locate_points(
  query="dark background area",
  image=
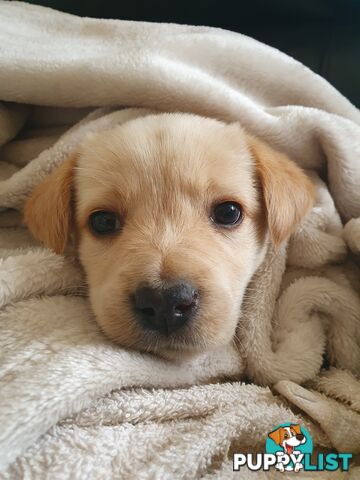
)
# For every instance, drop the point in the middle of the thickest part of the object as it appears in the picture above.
(322, 34)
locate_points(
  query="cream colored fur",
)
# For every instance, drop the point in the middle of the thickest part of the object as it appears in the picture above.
(73, 405)
(162, 176)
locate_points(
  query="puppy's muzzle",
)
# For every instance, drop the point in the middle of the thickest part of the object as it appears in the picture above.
(165, 309)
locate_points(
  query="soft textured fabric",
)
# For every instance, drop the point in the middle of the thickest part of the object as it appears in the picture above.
(74, 405)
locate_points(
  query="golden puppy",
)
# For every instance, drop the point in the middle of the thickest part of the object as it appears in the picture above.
(171, 213)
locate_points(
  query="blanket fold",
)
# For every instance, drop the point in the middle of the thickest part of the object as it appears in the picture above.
(74, 405)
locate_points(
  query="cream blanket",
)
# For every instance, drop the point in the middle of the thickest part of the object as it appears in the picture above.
(73, 405)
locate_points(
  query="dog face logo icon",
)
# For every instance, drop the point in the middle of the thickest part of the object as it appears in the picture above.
(288, 437)
(289, 442)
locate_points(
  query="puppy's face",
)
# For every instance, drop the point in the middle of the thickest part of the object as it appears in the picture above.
(171, 214)
(288, 437)
(171, 272)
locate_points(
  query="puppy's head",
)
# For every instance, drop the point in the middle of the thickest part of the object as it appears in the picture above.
(171, 214)
(288, 437)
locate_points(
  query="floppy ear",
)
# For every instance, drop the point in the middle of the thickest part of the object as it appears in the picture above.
(47, 212)
(296, 428)
(275, 436)
(288, 193)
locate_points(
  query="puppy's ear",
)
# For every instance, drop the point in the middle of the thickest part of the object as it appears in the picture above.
(47, 212)
(296, 427)
(288, 193)
(275, 436)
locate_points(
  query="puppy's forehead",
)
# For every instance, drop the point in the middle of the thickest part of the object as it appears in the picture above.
(177, 151)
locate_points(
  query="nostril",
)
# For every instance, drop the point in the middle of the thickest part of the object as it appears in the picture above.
(165, 309)
(180, 309)
(184, 308)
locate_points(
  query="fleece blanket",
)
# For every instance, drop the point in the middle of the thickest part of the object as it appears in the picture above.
(74, 405)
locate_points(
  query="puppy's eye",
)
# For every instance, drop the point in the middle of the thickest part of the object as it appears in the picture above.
(103, 222)
(227, 214)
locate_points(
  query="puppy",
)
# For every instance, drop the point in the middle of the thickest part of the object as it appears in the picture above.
(171, 214)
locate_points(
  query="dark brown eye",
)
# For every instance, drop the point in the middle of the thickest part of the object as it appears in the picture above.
(104, 223)
(227, 214)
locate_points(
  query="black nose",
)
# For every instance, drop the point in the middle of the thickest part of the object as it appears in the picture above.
(165, 309)
(300, 436)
